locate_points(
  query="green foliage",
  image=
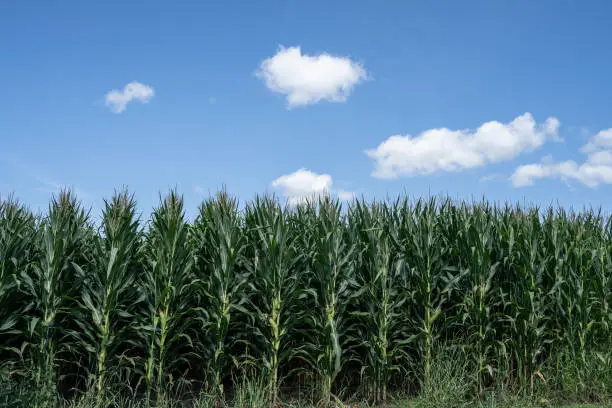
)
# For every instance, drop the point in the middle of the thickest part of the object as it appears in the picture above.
(65, 240)
(329, 281)
(110, 290)
(381, 319)
(220, 242)
(425, 247)
(168, 289)
(17, 252)
(273, 261)
(450, 302)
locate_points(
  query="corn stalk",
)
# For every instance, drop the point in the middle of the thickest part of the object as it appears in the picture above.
(273, 261)
(17, 252)
(479, 310)
(329, 282)
(64, 245)
(169, 292)
(219, 243)
(380, 324)
(110, 292)
(432, 281)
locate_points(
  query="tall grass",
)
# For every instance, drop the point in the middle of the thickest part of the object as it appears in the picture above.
(317, 299)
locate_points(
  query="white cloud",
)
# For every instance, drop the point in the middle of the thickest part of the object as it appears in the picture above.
(117, 100)
(346, 195)
(596, 169)
(308, 79)
(602, 140)
(304, 184)
(443, 149)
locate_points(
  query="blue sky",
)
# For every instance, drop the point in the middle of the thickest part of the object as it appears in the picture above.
(363, 97)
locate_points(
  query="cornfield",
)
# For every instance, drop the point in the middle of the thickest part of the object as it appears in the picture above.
(336, 301)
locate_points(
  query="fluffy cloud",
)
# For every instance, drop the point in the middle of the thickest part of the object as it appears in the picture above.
(305, 184)
(596, 169)
(117, 100)
(346, 195)
(602, 140)
(443, 149)
(308, 79)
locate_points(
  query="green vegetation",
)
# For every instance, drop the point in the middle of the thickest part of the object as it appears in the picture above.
(442, 303)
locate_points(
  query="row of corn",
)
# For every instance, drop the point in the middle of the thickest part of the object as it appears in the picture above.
(361, 297)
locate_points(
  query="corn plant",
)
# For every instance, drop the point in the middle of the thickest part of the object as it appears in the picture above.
(65, 239)
(432, 280)
(17, 252)
(273, 263)
(169, 293)
(481, 302)
(581, 303)
(557, 239)
(219, 242)
(526, 261)
(603, 284)
(110, 288)
(380, 322)
(330, 281)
